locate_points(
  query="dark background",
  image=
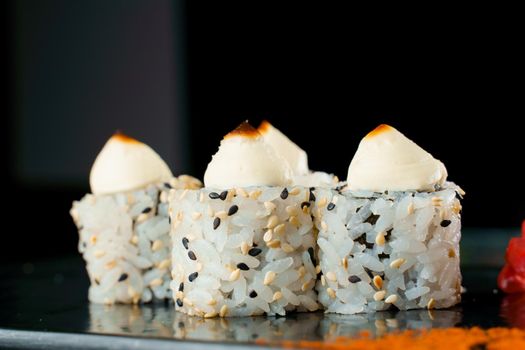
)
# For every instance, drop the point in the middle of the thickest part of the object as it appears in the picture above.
(180, 75)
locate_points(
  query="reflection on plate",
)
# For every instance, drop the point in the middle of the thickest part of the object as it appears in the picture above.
(163, 321)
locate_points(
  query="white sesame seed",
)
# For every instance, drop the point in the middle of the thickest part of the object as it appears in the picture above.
(210, 314)
(301, 271)
(269, 206)
(380, 238)
(379, 295)
(294, 191)
(268, 235)
(183, 194)
(294, 221)
(410, 208)
(201, 197)
(212, 302)
(274, 244)
(317, 269)
(244, 248)
(241, 191)
(255, 194)
(221, 214)
(378, 282)
(164, 264)
(292, 210)
(99, 253)
(324, 226)
(330, 292)
(157, 244)
(93, 239)
(323, 280)
(287, 248)
(431, 304)
(306, 286)
(163, 197)
(396, 264)
(279, 229)
(269, 277)
(230, 195)
(391, 299)
(234, 276)
(179, 295)
(210, 211)
(331, 276)
(134, 239)
(277, 295)
(335, 199)
(110, 264)
(223, 311)
(322, 202)
(196, 215)
(156, 282)
(272, 221)
(142, 217)
(344, 263)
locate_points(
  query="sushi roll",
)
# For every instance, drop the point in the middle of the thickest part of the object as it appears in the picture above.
(123, 224)
(244, 244)
(390, 238)
(296, 158)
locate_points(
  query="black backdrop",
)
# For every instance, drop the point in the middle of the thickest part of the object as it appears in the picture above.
(325, 76)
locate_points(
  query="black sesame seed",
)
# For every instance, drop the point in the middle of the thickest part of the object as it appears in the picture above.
(445, 223)
(167, 185)
(312, 195)
(97, 281)
(223, 195)
(216, 223)
(354, 279)
(233, 209)
(383, 256)
(330, 206)
(123, 277)
(181, 287)
(243, 266)
(192, 255)
(253, 294)
(254, 251)
(193, 276)
(284, 193)
(185, 242)
(305, 204)
(146, 210)
(179, 302)
(169, 220)
(213, 195)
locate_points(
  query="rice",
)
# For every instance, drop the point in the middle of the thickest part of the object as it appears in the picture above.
(379, 250)
(124, 239)
(246, 251)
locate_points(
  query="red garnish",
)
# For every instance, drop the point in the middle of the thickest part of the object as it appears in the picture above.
(511, 279)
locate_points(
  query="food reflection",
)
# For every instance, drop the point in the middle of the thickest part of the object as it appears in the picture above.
(379, 323)
(248, 329)
(513, 310)
(163, 321)
(143, 320)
